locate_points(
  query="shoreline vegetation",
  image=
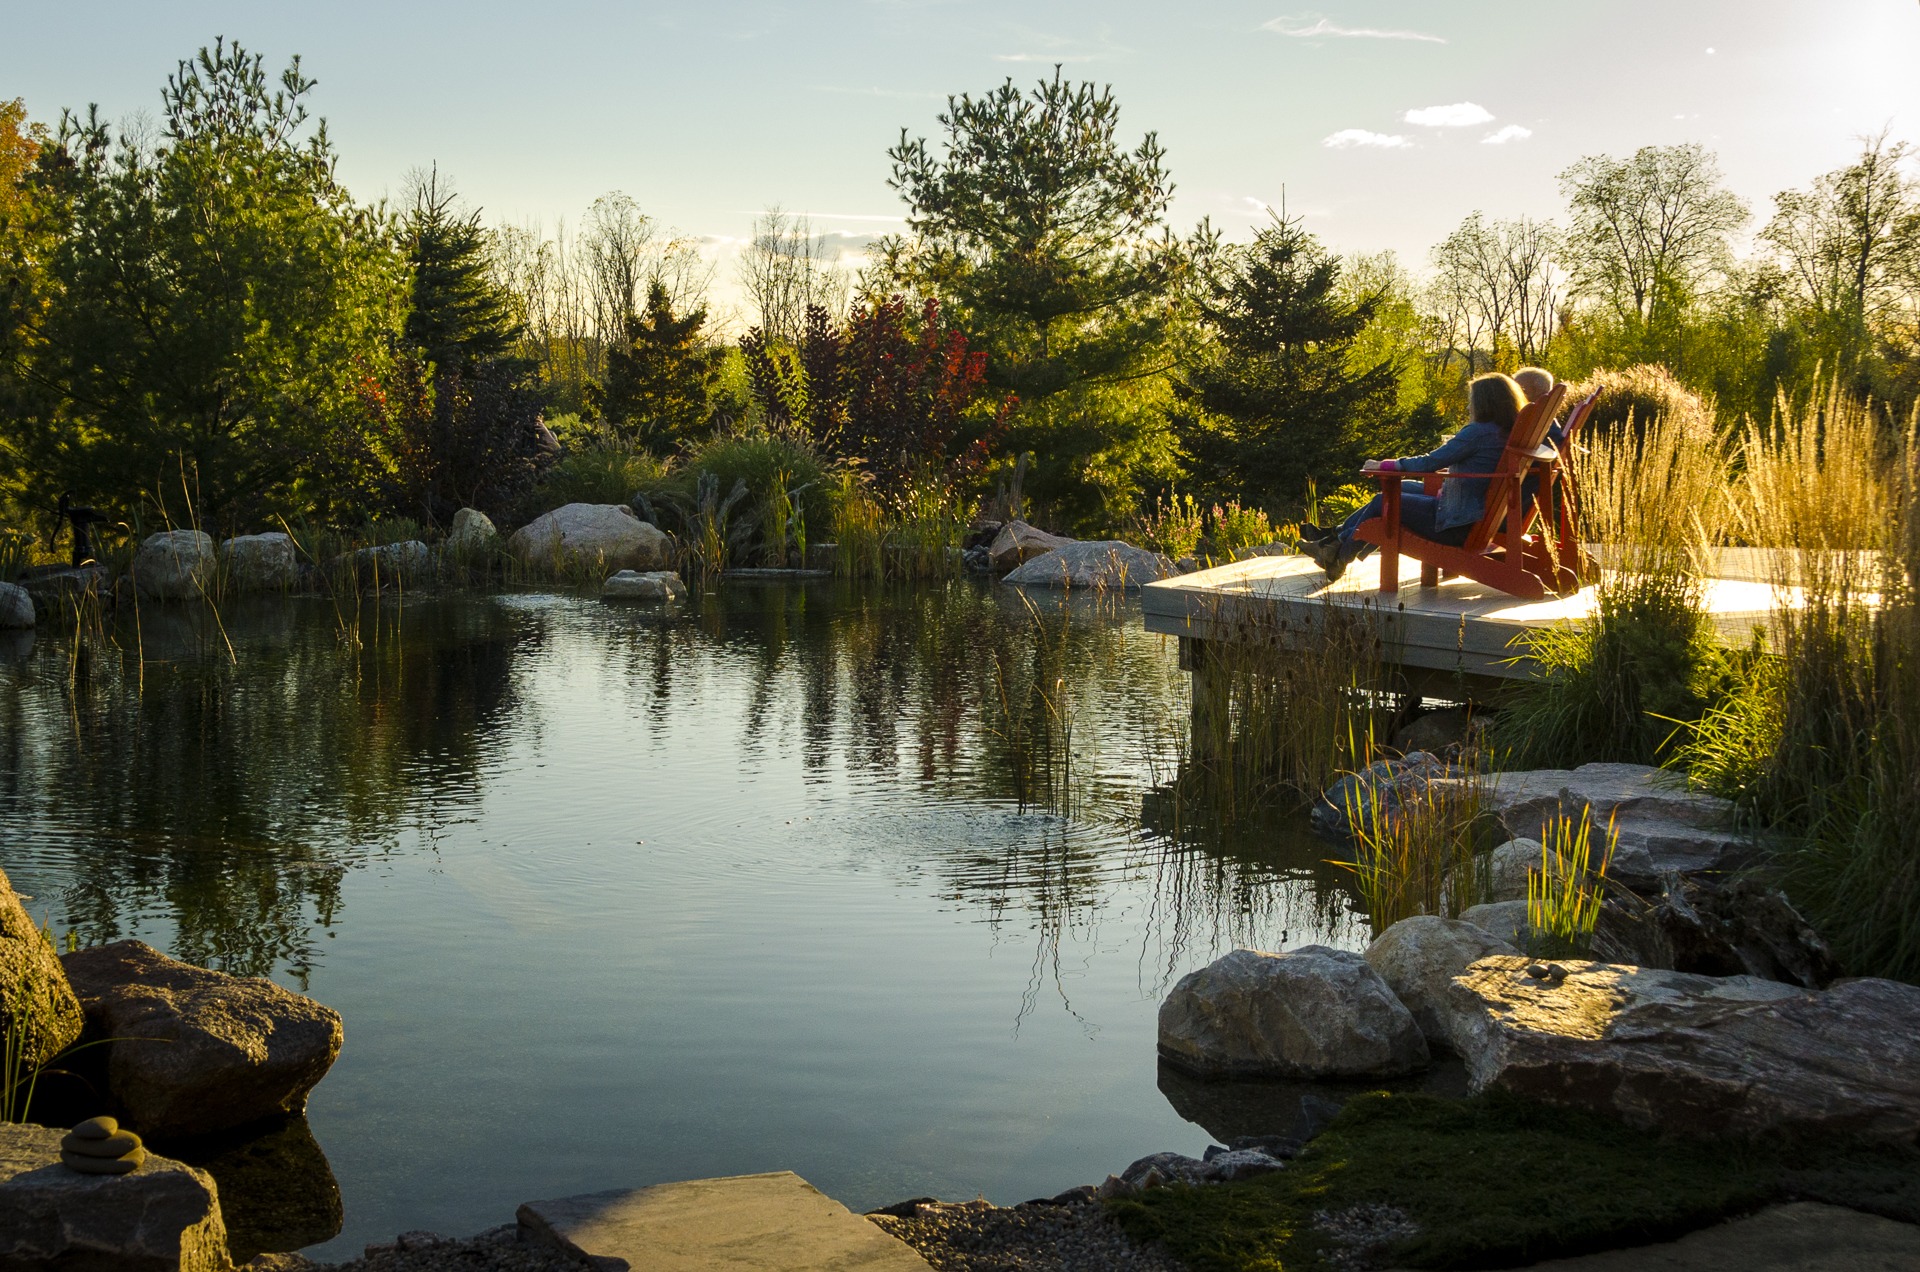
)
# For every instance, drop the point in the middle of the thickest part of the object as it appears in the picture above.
(206, 339)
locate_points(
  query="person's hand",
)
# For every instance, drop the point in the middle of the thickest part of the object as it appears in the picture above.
(1371, 466)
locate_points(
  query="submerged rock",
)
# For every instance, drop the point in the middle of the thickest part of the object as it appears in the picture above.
(1313, 1012)
(605, 535)
(1103, 563)
(196, 1051)
(33, 986)
(1016, 543)
(1419, 957)
(655, 585)
(174, 565)
(162, 1216)
(1678, 1052)
(260, 562)
(16, 607)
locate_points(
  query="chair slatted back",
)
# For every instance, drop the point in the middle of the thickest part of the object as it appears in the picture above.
(1523, 440)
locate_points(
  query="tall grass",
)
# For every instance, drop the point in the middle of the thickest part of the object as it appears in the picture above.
(1564, 894)
(1173, 526)
(1824, 747)
(26, 1044)
(913, 533)
(1655, 500)
(1417, 853)
(1281, 707)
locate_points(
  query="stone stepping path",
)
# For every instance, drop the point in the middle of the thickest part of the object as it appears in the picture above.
(776, 1222)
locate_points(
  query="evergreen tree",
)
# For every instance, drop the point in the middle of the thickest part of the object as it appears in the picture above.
(1279, 399)
(660, 381)
(460, 317)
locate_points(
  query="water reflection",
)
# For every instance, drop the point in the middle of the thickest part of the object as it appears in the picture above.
(277, 1191)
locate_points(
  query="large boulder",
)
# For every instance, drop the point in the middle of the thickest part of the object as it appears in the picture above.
(194, 1051)
(260, 562)
(1313, 1012)
(1504, 874)
(1662, 828)
(473, 534)
(1506, 920)
(606, 535)
(1106, 564)
(16, 607)
(1017, 543)
(1418, 958)
(655, 585)
(174, 565)
(1712, 1055)
(33, 987)
(163, 1216)
(1717, 926)
(393, 562)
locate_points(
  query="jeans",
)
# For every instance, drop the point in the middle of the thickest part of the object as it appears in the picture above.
(1417, 513)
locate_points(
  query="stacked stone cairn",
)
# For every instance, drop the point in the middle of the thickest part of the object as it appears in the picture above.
(98, 1146)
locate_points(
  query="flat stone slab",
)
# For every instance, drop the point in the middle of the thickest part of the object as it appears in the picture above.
(776, 1222)
(1802, 1237)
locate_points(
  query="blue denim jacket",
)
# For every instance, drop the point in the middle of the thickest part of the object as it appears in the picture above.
(1474, 449)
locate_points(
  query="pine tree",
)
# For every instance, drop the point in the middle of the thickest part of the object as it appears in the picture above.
(660, 382)
(460, 317)
(1279, 401)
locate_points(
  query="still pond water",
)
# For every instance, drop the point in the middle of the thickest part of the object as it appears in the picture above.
(873, 885)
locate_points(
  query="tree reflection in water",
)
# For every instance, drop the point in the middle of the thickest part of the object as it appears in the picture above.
(227, 796)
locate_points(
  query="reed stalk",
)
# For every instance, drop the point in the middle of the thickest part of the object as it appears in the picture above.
(1564, 895)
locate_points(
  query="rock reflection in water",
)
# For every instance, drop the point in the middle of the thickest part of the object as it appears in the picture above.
(1253, 1108)
(277, 1191)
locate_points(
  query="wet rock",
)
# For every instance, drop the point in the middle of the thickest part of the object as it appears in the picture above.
(163, 1216)
(174, 565)
(1105, 564)
(196, 1051)
(473, 535)
(609, 536)
(1157, 1170)
(51, 590)
(16, 607)
(654, 585)
(1313, 1012)
(1243, 1163)
(1419, 957)
(1017, 543)
(260, 562)
(1505, 920)
(33, 985)
(1388, 780)
(1678, 1052)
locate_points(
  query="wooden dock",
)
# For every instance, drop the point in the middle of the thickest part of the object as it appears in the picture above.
(1459, 630)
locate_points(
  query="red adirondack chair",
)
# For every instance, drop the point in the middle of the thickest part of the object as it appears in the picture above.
(1501, 550)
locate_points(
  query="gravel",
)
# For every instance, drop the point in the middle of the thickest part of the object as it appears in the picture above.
(496, 1250)
(1035, 1237)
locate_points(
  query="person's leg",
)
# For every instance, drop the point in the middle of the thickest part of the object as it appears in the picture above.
(1411, 492)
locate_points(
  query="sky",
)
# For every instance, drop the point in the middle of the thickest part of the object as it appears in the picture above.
(1382, 123)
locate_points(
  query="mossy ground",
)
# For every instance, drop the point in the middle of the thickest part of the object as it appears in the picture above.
(1493, 1181)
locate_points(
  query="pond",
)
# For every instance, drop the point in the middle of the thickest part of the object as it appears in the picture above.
(877, 885)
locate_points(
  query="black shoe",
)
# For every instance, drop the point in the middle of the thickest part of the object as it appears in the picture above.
(1310, 533)
(1327, 555)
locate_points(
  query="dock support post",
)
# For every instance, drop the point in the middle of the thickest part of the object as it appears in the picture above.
(1209, 717)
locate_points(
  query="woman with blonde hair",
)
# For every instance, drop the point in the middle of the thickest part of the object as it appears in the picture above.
(1494, 402)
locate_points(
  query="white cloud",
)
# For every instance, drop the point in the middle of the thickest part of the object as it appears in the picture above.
(1500, 137)
(1302, 29)
(1350, 137)
(1458, 115)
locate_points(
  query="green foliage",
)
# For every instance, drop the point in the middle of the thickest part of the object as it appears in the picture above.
(660, 382)
(1231, 528)
(600, 475)
(459, 318)
(1495, 1181)
(1045, 237)
(1278, 402)
(1173, 526)
(218, 303)
(762, 461)
(1417, 853)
